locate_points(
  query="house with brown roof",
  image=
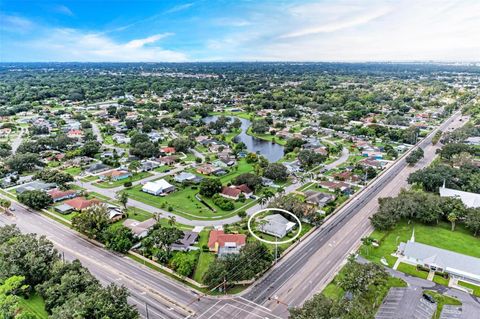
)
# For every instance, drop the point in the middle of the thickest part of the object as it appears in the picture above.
(80, 203)
(346, 176)
(334, 186)
(168, 150)
(207, 169)
(167, 160)
(234, 192)
(223, 244)
(59, 195)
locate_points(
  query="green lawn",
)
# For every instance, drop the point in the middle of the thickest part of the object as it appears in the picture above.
(89, 178)
(139, 214)
(475, 288)
(442, 300)
(267, 137)
(182, 202)
(113, 184)
(412, 270)
(34, 305)
(460, 241)
(74, 171)
(440, 280)
(204, 261)
(163, 168)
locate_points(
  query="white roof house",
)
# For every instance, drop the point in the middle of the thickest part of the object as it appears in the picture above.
(158, 187)
(453, 263)
(470, 200)
(276, 225)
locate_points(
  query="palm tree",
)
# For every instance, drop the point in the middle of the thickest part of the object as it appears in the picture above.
(123, 199)
(172, 220)
(452, 218)
(262, 200)
(134, 166)
(281, 190)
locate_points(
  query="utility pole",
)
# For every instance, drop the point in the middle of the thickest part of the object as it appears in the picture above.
(276, 250)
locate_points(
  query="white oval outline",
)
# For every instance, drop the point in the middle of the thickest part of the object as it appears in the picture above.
(275, 242)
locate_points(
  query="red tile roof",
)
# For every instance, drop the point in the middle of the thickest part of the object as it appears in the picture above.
(218, 236)
(79, 203)
(230, 191)
(244, 188)
(168, 149)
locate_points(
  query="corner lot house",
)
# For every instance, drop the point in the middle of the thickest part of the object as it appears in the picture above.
(80, 203)
(276, 225)
(455, 264)
(160, 187)
(223, 244)
(59, 195)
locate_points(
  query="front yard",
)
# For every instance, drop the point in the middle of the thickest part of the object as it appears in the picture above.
(113, 184)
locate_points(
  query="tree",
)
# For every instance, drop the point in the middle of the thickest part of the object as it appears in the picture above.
(9, 300)
(259, 126)
(319, 307)
(54, 176)
(25, 255)
(276, 172)
(90, 148)
(359, 277)
(5, 204)
(183, 263)
(449, 150)
(472, 220)
(92, 221)
(145, 150)
(293, 143)
(23, 162)
(134, 166)
(172, 220)
(210, 186)
(414, 156)
(310, 158)
(35, 199)
(181, 144)
(251, 180)
(159, 240)
(122, 197)
(452, 218)
(118, 238)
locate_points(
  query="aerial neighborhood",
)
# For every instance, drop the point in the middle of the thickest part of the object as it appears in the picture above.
(168, 168)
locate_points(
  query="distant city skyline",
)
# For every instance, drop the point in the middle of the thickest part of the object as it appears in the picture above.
(264, 30)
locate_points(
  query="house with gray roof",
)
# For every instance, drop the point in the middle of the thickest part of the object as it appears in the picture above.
(186, 242)
(276, 225)
(35, 186)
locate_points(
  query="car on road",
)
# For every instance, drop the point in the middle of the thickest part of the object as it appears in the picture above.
(12, 209)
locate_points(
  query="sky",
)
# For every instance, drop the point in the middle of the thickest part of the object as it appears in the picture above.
(240, 30)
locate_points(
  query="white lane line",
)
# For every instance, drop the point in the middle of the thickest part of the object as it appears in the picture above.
(208, 310)
(219, 309)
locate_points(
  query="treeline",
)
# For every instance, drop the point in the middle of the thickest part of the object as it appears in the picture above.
(367, 284)
(427, 208)
(68, 288)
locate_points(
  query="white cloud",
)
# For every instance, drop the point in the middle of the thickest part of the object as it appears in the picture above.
(179, 7)
(15, 23)
(73, 45)
(64, 10)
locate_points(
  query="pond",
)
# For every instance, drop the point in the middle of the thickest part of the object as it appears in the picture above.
(271, 151)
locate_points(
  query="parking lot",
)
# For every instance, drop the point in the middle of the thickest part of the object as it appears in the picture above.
(402, 303)
(451, 312)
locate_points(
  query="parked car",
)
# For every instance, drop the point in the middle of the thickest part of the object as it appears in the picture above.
(429, 298)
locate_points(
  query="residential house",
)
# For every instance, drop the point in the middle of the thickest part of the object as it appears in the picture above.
(207, 169)
(186, 242)
(115, 175)
(334, 186)
(185, 177)
(167, 150)
(473, 140)
(81, 203)
(97, 168)
(160, 187)
(346, 176)
(223, 244)
(59, 195)
(318, 198)
(120, 138)
(234, 192)
(77, 134)
(276, 225)
(139, 229)
(167, 160)
(35, 186)
(146, 165)
(369, 162)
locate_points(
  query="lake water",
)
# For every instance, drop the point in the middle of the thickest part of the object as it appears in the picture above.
(271, 151)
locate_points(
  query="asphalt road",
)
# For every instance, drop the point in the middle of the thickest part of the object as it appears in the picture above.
(311, 266)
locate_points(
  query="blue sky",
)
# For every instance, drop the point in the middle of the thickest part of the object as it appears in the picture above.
(248, 30)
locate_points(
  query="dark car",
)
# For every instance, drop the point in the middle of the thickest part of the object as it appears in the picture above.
(429, 298)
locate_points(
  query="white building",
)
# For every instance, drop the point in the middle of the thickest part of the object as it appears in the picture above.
(276, 225)
(159, 187)
(470, 200)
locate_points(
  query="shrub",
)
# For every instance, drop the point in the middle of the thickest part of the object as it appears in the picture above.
(242, 214)
(222, 202)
